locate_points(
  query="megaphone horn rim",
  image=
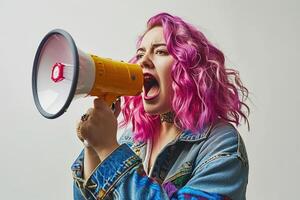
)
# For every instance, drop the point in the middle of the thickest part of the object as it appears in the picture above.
(74, 52)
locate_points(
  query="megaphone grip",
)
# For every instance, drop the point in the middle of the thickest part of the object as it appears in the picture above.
(110, 98)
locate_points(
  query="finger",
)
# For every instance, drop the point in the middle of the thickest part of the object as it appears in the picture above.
(99, 103)
(90, 112)
(84, 130)
(86, 116)
(78, 131)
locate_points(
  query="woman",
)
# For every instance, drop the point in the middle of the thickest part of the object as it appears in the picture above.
(181, 144)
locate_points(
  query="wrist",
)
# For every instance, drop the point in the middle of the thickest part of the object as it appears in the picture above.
(90, 151)
(105, 152)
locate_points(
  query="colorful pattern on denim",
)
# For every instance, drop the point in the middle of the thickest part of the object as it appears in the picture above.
(206, 167)
(188, 193)
(170, 188)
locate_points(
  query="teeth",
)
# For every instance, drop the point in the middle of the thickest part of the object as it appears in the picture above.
(148, 76)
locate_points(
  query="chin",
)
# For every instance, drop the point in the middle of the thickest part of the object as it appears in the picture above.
(150, 109)
(155, 109)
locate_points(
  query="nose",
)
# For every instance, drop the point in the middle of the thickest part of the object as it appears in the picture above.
(146, 62)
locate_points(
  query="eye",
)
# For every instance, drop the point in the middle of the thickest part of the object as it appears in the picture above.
(139, 56)
(162, 52)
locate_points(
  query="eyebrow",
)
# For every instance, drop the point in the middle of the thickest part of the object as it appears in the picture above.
(153, 46)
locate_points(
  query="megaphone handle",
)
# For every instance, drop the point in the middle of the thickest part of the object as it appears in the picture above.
(110, 98)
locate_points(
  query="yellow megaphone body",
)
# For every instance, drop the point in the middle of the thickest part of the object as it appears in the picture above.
(61, 73)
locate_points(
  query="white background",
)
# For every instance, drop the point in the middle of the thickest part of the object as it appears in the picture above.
(260, 38)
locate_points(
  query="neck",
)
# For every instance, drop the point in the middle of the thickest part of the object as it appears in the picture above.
(167, 131)
(167, 127)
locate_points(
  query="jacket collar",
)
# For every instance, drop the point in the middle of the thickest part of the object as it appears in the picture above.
(189, 136)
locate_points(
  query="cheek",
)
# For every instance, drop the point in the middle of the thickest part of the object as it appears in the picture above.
(166, 83)
(165, 75)
(166, 95)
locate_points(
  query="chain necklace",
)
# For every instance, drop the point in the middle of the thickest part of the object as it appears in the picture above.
(167, 117)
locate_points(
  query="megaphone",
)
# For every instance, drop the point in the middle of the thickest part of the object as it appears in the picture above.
(61, 73)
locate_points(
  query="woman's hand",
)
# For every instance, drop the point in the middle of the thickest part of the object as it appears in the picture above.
(99, 128)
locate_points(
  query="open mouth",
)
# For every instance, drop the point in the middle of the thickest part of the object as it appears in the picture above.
(151, 87)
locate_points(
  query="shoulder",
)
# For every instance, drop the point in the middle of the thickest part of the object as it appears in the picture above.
(222, 164)
(223, 140)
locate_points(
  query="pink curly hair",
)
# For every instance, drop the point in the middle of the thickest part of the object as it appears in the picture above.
(204, 90)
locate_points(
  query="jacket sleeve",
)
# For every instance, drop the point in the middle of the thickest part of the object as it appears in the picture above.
(121, 176)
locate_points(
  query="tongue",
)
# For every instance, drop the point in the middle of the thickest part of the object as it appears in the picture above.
(153, 91)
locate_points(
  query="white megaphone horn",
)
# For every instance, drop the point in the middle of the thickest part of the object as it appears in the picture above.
(61, 73)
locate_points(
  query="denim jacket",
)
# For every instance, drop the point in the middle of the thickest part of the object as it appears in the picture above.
(209, 164)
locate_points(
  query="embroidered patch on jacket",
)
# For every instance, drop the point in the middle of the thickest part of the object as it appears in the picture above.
(178, 180)
(172, 186)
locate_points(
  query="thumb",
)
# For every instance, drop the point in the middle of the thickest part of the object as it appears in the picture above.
(99, 103)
